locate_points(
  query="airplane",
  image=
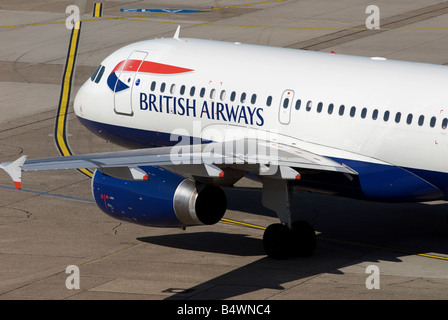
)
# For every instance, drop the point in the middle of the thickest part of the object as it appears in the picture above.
(196, 116)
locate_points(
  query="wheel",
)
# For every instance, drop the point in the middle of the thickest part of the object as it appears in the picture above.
(304, 239)
(277, 241)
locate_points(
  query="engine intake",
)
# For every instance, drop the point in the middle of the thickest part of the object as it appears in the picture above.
(164, 200)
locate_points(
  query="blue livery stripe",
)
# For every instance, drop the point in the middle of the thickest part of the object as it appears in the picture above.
(392, 183)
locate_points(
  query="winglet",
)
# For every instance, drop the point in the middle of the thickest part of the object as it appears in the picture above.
(176, 35)
(14, 169)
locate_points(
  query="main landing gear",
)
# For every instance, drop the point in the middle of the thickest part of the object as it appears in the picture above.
(285, 239)
(280, 242)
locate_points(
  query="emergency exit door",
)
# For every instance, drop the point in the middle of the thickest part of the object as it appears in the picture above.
(284, 114)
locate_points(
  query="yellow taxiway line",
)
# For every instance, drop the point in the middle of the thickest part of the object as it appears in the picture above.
(61, 117)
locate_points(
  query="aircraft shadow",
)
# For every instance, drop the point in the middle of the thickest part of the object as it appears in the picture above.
(348, 231)
(217, 242)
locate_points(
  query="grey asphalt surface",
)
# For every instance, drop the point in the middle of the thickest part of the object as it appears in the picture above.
(53, 223)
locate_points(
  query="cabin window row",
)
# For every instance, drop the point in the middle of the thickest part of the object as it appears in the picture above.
(385, 116)
(212, 94)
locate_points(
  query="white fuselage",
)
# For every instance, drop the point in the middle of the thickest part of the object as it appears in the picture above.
(393, 112)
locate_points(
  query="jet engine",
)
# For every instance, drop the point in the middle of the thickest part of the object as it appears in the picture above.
(163, 199)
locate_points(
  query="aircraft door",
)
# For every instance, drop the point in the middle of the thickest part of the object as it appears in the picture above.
(284, 112)
(126, 79)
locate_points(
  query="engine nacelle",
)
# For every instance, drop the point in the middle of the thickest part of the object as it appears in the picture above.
(164, 200)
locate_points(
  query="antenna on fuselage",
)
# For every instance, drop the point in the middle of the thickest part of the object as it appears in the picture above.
(176, 35)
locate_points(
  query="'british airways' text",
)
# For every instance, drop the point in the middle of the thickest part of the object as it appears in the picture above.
(202, 109)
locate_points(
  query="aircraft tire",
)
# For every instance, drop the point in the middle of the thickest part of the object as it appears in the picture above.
(277, 241)
(304, 239)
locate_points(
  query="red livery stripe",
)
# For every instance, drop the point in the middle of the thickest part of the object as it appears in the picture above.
(149, 67)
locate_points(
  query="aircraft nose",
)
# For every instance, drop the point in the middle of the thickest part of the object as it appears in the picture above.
(80, 100)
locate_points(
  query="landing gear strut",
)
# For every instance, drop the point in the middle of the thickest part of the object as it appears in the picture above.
(285, 239)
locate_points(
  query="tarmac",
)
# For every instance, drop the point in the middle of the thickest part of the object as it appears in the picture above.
(52, 223)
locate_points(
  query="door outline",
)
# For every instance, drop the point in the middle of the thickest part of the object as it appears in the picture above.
(123, 99)
(284, 112)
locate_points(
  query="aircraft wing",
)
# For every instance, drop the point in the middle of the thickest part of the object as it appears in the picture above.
(260, 157)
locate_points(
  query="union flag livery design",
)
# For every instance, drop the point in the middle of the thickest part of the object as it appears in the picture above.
(116, 85)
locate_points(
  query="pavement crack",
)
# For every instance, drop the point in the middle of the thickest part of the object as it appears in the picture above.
(22, 219)
(114, 229)
(28, 214)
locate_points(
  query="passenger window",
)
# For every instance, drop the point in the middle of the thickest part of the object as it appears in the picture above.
(202, 93)
(182, 90)
(319, 107)
(352, 111)
(444, 123)
(386, 116)
(162, 87)
(375, 114)
(285, 103)
(398, 117)
(192, 90)
(409, 118)
(173, 88)
(330, 108)
(364, 113)
(212, 94)
(433, 121)
(341, 110)
(421, 120)
(153, 86)
(222, 96)
(298, 103)
(232, 96)
(309, 105)
(268, 101)
(253, 99)
(243, 97)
